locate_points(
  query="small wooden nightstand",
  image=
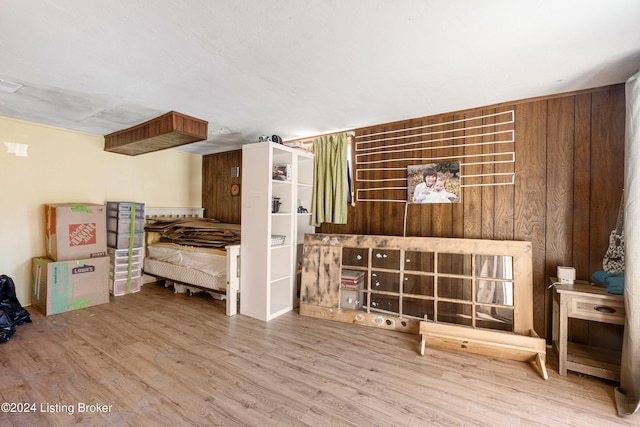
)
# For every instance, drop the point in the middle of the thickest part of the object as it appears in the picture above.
(587, 302)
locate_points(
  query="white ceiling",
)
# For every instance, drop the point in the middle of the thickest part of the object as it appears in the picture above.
(300, 68)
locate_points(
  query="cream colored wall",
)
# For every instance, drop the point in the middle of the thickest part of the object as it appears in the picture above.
(68, 166)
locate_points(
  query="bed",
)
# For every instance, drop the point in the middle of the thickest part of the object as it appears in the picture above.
(204, 258)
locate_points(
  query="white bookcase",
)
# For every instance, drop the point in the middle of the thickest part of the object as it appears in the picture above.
(271, 247)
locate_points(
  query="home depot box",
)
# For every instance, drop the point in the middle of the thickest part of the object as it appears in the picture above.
(69, 285)
(75, 231)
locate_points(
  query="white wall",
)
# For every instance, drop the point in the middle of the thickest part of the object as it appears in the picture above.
(69, 166)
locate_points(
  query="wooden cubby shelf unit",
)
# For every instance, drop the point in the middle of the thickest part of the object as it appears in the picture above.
(473, 295)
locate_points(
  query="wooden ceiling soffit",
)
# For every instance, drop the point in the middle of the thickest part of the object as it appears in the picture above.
(167, 131)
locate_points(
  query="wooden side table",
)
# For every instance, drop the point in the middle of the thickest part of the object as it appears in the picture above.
(587, 302)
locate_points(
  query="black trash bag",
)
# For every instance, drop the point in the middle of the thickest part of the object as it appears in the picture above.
(7, 328)
(9, 302)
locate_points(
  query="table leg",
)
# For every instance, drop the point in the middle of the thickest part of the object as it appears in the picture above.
(563, 326)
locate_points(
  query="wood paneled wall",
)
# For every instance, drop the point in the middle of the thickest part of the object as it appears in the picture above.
(569, 152)
(217, 200)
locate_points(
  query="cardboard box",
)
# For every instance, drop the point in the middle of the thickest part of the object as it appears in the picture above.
(75, 231)
(69, 285)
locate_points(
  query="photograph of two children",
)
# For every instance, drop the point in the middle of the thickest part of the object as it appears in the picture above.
(434, 183)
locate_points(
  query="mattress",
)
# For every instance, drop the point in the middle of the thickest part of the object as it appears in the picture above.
(203, 267)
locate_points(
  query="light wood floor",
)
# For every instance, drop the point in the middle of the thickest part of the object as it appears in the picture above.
(156, 358)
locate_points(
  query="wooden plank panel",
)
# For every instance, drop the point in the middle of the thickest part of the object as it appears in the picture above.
(425, 211)
(328, 275)
(369, 210)
(504, 194)
(217, 200)
(607, 181)
(582, 186)
(607, 169)
(309, 289)
(530, 195)
(471, 195)
(458, 208)
(441, 212)
(488, 191)
(560, 155)
(560, 183)
(391, 219)
(413, 216)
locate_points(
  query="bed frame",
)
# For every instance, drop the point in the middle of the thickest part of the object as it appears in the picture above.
(233, 260)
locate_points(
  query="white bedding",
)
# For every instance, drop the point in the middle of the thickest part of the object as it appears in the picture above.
(204, 267)
(208, 260)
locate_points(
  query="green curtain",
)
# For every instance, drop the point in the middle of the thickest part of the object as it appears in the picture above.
(330, 180)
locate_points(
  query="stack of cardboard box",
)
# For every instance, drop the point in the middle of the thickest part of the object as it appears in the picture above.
(75, 272)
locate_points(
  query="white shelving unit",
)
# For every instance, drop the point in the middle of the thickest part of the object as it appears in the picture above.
(270, 272)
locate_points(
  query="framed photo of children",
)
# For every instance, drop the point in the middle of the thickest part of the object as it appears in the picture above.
(434, 183)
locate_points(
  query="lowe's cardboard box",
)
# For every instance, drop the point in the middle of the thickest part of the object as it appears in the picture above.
(69, 285)
(75, 230)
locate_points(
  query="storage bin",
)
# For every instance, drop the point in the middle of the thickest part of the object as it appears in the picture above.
(122, 255)
(277, 240)
(121, 240)
(123, 225)
(124, 274)
(124, 268)
(118, 261)
(124, 286)
(125, 209)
